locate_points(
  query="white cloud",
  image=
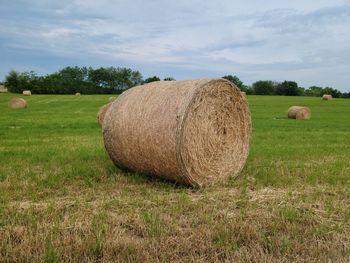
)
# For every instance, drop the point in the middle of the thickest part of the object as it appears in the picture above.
(297, 40)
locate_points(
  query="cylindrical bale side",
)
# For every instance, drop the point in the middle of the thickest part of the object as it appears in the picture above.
(17, 103)
(194, 131)
(327, 97)
(299, 113)
(102, 113)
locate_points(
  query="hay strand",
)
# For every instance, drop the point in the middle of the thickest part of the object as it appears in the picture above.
(299, 113)
(17, 103)
(195, 132)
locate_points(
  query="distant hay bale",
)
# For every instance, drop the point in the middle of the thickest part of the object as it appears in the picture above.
(17, 103)
(327, 97)
(3, 89)
(244, 93)
(77, 94)
(102, 113)
(299, 113)
(27, 93)
(194, 131)
(110, 99)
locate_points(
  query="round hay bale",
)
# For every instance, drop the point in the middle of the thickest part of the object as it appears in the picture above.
(327, 97)
(193, 131)
(299, 113)
(27, 93)
(3, 89)
(77, 94)
(110, 99)
(102, 113)
(244, 93)
(17, 103)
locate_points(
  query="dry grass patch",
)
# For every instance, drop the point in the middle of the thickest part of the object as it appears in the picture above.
(218, 224)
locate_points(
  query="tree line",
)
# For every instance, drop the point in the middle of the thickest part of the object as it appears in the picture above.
(112, 80)
(285, 88)
(70, 80)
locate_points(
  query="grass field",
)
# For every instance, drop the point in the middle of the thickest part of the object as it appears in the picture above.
(62, 199)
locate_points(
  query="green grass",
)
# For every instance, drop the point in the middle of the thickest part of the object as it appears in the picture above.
(62, 199)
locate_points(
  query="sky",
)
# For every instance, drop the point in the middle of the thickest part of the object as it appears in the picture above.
(304, 41)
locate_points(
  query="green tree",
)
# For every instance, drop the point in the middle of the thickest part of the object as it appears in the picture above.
(345, 95)
(75, 79)
(264, 87)
(235, 80)
(12, 81)
(314, 91)
(17, 82)
(151, 79)
(288, 88)
(334, 92)
(114, 80)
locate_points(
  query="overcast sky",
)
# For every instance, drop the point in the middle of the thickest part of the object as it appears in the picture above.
(304, 41)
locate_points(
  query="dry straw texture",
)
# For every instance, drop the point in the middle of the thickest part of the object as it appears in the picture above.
(299, 113)
(27, 93)
(327, 97)
(195, 131)
(102, 113)
(17, 103)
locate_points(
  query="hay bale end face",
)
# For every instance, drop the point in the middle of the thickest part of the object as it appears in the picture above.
(17, 103)
(195, 131)
(102, 113)
(299, 113)
(77, 94)
(27, 93)
(327, 97)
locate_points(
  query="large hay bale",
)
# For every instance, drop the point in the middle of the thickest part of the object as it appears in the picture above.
(102, 113)
(299, 113)
(17, 103)
(327, 97)
(27, 93)
(193, 131)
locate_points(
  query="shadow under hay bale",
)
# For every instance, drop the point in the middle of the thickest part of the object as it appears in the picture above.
(299, 113)
(17, 103)
(195, 132)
